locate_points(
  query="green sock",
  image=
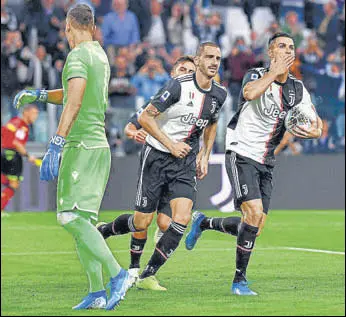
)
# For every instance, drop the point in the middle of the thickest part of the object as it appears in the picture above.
(93, 269)
(92, 242)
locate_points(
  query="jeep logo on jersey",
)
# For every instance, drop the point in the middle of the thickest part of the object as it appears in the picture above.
(274, 112)
(190, 119)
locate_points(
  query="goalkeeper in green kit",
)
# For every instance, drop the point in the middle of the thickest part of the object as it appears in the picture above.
(85, 155)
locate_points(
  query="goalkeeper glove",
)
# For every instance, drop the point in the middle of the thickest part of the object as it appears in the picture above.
(25, 97)
(50, 163)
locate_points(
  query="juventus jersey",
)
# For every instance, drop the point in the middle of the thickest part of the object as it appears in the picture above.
(186, 109)
(259, 125)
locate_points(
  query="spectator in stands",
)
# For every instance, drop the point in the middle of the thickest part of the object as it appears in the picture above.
(260, 41)
(240, 60)
(11, 58)
(328, 30)
(120, 79)
(311, 56)
(296, 6)
(130, 54)
(178, 23)
(157, 33)
(150, 78)
(209, 27)
(8, 19)
(142, 9)
(51, 21)
(293, 27)
(340, 128)
(41, 72)
(120, 28)
(102, 7)
(338, 56)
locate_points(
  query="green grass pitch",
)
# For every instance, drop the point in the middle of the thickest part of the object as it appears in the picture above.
(41, 274)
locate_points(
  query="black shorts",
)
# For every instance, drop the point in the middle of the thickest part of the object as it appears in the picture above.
(11, 163)
(249, 179)
(163, 175)
(164, 206)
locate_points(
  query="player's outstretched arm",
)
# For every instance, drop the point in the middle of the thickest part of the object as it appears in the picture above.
(28, 96)
(208, 139)
(50, 164)
(147, 121)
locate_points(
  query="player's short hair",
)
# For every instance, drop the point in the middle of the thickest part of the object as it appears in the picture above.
(201, 47)
(81, 16)
(183, 59)
(277, 35)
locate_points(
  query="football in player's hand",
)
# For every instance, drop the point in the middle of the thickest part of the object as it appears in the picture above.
(301, 115)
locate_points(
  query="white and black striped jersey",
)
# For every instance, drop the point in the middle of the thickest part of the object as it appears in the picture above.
(259, 125)
(186, 109)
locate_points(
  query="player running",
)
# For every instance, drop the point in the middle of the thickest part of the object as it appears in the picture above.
(82, 144)
(14, 136)
(175, 119)
(133, 130)
(252, 135)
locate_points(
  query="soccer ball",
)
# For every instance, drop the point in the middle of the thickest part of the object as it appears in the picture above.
(301, 115)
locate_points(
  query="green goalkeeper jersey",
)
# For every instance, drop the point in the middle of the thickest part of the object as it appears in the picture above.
(88, 60)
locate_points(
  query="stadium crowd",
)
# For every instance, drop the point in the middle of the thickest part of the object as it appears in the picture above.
(143, 38)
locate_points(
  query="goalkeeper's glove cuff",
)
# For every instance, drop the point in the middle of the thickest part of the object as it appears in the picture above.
(57, 143)
(42, 95)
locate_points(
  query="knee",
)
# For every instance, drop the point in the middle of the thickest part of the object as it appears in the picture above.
(163, 222)
(253, 214)
(183, 219)
(65, 218)
(142, 222)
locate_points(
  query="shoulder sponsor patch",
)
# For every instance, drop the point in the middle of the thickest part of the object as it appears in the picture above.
(165, 96)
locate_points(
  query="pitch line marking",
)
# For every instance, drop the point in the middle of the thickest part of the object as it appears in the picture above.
(197, 250)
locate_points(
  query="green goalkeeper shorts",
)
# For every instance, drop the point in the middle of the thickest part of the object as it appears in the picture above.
(83, 176)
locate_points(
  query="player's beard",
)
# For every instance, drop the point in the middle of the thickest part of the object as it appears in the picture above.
(206, 73)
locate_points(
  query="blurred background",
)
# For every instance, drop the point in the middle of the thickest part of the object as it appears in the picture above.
(145, 41)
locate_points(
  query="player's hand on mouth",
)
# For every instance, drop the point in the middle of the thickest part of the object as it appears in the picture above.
(281, 64)
(180, 149)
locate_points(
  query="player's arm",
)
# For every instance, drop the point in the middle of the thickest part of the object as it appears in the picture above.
(132, 132)
(75, 93)
(284, 142)
(166, 97)
(254, 87)
(148, 122)
(20, 148)
(25, 97)
(208, 140)
(55, 96)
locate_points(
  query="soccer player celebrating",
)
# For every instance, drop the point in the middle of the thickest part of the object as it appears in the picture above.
(85, 155)
(183, 66)
(14, 135)
(175, 119)
(252, 135)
